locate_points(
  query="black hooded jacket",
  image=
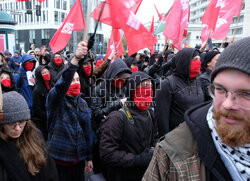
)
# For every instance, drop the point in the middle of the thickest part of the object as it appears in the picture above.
(40, 93)
(54, 70)
(13, 83)
(172, 104)
(87, 83)
(133, 137)
(195, 118)
(105, 97)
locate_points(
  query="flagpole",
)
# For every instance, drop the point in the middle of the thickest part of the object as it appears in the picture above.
(119, 42)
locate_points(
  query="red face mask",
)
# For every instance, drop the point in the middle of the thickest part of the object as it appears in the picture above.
(6, 82)
(195, 68)
(87, 70)
(46, 78)
(118, 83)
(74, 89)
(29, 65)
(99, 62)
(143, 97)
(134, 69)
(58, 61)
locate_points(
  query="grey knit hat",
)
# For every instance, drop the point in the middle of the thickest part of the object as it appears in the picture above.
(236, 56)
(15, 108)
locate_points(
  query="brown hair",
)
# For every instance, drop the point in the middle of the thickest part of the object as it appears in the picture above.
(32, 148)
(2, 59)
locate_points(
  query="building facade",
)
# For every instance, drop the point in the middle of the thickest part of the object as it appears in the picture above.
(37, 22)
(241, 27)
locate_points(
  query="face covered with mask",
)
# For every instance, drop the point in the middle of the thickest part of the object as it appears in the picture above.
(58, 60)
(134, 68)
(74, 88)
(195, 67)
(143, 95)
(29, 65)
(87, 68)
(46, 77)
(5, 80)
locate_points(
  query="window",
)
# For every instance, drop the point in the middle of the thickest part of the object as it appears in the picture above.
(64, 5)
(45, 34)
(57, 4)
(56, 16)
(32, 34)
(62, 16)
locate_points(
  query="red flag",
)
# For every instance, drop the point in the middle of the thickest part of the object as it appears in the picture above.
(159, 15)
(106, 16)
(73, 22)
(22, 0)
(137, 36)
(115, 38)
(228, 9)
(211, 14)
(177, 22)
(41, 1)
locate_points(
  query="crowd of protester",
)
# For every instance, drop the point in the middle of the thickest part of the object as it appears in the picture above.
(161, 116)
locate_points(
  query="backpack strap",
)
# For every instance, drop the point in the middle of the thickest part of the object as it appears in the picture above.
(172, 83)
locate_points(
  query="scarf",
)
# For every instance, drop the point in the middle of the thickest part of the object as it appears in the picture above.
(236, 160)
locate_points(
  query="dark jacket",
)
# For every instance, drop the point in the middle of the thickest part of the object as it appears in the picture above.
(205, 82)
(40, 93)
(121, 139)
(13, 83)
(105, 97)
(69, 120)
(54, 70)
(25, 89)
(197, 122)
(188, 152)
(18, 61)
(12, 166)
(10, 64)
(172, 104)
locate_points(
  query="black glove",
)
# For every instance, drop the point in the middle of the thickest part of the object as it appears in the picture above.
(144, 158)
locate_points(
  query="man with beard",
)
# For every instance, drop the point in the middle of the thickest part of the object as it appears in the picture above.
(214, 141)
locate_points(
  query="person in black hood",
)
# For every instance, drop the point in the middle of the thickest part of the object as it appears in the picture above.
(108, 96)
(7, 80)
(209, 63)
(44, 60)
(131, 63)
(128, 135)
(40, 92)
(179, 91)
(55, 66)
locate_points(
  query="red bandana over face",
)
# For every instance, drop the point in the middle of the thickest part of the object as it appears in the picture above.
(46, 78)
(195, 68)
(58, 61)
(87, 70)
(134, 69)
(29, 65)
(74, 89)
(118, 83)
(143, 97)
(6, 82)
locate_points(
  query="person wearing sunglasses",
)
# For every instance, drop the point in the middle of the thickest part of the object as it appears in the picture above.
(23, 153)
(213, 143)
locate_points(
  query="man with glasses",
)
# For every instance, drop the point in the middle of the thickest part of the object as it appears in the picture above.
(214, 141)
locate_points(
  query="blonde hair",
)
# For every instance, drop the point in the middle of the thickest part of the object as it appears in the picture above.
(32, 148)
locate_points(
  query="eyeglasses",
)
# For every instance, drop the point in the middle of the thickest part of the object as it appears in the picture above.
(241, 98)
(21, 124)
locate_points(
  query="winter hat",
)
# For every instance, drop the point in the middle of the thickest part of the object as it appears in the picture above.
(6, 52)
(15, 108)
(235, 56)
(209, 56)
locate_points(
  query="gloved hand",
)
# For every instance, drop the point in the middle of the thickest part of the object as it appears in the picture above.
(144, 158)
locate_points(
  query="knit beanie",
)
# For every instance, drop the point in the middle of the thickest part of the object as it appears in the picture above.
(209, 56)
(15, 108)
(236, 56)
